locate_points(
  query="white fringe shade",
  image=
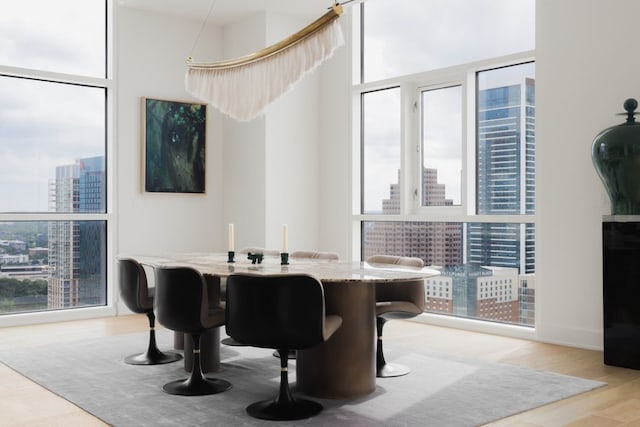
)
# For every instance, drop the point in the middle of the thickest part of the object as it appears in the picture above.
(242, 88)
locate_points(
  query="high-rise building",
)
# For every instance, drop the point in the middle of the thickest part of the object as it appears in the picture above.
(76, 248)
(505, 177)
(436, 243)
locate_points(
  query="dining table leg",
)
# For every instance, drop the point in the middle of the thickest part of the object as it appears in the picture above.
(345, 365)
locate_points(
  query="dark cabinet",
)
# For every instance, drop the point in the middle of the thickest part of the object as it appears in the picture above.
(621, 293)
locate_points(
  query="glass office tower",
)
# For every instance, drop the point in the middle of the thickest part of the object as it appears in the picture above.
(505, 177)
(77, 248)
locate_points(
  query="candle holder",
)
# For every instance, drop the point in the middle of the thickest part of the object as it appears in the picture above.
(232, 256)
(284, 258)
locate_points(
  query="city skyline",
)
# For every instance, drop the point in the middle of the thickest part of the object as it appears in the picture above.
(470, 255)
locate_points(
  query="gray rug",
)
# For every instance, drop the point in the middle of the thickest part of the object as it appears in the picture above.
(441, 390)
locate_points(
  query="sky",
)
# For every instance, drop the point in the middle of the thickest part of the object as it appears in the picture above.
(410, 36)
(44, 125)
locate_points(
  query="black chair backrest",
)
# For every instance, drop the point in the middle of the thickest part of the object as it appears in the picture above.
(133, 285)
(180, 298)
(275, 311)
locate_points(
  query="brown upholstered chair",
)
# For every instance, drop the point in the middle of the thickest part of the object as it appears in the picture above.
(315, 255)
(138, 297)
(396, 300)
(182, 303)
(281, 311)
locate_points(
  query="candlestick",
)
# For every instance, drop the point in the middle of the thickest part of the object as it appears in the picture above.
(231, 256)
(230, 243)
(285, 237)
(284, 258)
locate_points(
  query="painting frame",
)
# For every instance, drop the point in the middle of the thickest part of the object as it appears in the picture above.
(174, 135)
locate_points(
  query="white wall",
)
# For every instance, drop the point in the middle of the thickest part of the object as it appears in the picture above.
(244, 164)
(292, 140)
(271, 173)
(586, 66)
(336, 149)
(150, 63)
(260, 174)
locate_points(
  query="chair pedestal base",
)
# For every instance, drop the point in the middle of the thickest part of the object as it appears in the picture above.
(295, 410)
(209, 351)
(152, 358)
(392, 370)
(284, 407)
(384, 369)
(196, 386)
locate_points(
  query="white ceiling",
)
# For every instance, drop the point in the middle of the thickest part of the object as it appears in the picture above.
(225, 11)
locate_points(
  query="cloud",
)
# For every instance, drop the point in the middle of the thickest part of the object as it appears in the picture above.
(59, 36)
(410, 36)
(44, 125)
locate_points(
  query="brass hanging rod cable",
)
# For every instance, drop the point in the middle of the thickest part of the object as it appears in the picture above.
(334, 13)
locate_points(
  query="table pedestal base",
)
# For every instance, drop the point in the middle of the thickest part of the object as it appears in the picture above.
(344, 366)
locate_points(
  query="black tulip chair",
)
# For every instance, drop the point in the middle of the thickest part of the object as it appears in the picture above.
(396, 300)
(182, 304)
(138, 297)
(283, 312)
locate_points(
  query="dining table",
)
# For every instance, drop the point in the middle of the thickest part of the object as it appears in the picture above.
(343, 367)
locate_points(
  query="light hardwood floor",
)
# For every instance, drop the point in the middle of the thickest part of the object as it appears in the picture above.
(24, 403)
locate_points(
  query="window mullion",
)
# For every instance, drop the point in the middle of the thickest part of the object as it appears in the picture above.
(410, 149)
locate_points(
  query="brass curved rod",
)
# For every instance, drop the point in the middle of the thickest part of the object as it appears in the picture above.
(318, 24)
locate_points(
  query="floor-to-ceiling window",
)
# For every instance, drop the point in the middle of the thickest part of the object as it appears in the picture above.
(446, 105)
(55, 88)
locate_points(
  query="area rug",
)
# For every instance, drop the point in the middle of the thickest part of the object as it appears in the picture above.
(441, 390)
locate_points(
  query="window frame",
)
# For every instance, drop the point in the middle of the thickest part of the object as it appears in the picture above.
(410, 86)
(411, 167)
(108, 217)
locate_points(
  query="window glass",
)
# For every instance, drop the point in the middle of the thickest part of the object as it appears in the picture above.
(442, 146)
(486, 269)
(473, 143)
(381, 150)
(65, 36)
(52, 135)
(52, 265)
(53, 145)
(506, 140)
(409, 36)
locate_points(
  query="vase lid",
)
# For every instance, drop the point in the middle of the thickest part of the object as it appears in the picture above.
(630, 106)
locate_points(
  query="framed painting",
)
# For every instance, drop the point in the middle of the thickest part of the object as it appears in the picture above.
(173, 139)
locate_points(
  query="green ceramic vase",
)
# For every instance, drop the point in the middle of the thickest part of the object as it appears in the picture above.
(616, 156)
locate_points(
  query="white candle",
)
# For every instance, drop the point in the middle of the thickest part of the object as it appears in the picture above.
(284, 238)
(231, 238)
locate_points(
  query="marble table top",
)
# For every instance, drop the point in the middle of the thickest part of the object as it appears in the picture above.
(325, 270)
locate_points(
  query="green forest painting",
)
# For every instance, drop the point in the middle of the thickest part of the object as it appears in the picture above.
(174, 146)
